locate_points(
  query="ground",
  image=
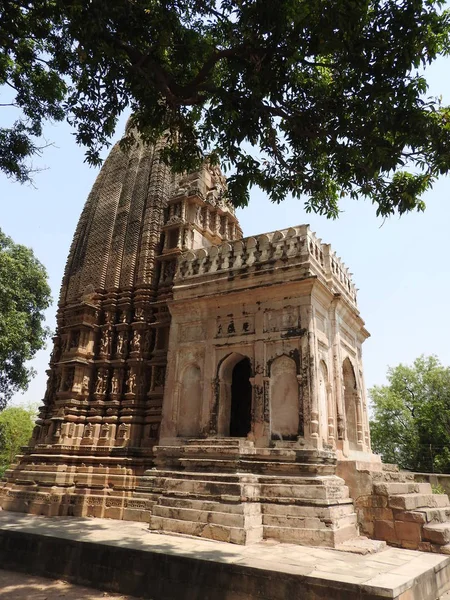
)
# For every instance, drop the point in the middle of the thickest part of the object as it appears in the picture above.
(20, 586)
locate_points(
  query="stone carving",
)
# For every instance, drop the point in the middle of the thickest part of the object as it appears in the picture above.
(100, 385)
(88, 430)
(173, 220)
(136, 341)
(56, 353)
(115, 382)
(50, 386)
(75, 339)
(57, 432)
(139, 314)
(122, 432)
(105, 343)
(121, 343)
(67, 381)
(85, 384)
(109, 317)
(70, 430)
(105, 430)
(131, 383)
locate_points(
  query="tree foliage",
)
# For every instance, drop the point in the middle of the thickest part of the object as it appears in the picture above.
(411, 424)
(330, 94)
(24, 295)
(16, 427)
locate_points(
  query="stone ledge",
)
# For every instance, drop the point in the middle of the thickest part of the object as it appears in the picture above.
(126, 558)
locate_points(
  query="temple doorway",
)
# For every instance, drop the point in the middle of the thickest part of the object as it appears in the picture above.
(241, 399)
(350, 399)
(235, 396)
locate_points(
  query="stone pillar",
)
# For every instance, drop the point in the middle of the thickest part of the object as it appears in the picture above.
(314, 399)
(260, 427)
(301, 407)
(359, 421)
(337, 376)
(331, 435)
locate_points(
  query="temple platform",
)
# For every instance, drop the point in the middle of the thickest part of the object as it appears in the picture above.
(125, 557)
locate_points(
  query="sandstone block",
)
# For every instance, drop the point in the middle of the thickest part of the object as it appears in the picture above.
(437, 533)
(408, 531)
(382, 514)
(412, 501)
(385, 530)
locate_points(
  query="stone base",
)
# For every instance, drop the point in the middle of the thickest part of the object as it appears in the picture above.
(79, 482)
(228, 490)
(128, 559)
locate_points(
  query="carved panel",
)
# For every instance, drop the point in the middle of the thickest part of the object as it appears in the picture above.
(227, 326)
(282, 319)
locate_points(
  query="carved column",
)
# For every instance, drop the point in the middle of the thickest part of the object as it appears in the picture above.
(331, 438)
(314, 422)
(301, 407)
(337, 374)
(359, 422)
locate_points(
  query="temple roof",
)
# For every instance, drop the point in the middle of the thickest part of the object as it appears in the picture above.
(118, 234)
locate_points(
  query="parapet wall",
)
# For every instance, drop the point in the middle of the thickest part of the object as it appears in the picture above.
(295, 246)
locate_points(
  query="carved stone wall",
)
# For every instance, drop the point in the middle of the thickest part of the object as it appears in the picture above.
(285, 302)
(102, 408)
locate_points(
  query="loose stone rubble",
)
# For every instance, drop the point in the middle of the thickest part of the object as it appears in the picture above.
(209, 384)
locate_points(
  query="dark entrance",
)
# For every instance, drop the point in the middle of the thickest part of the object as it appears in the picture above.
(241, 399)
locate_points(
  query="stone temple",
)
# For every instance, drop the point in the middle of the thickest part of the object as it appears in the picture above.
(209, 384)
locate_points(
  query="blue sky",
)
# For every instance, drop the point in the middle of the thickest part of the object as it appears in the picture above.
(400, 265)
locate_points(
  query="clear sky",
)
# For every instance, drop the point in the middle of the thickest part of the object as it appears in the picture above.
(400, 265)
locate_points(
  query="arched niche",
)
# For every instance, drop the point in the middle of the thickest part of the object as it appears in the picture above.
(284, 399)
(190, 404)
(235, 396)
(323, 401)
(350, 399)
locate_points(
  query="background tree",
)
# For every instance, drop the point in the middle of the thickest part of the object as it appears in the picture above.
(16, 427)
(411, 424)
(313, 98)
(24, 295)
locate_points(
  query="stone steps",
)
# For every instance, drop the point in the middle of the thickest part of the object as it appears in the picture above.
(255, 466)
(249, 487)
(326, 513)
(307, 523)
(404, 512)
(212, 531)
(424, 515)
(417, 500)
(236, 507)
(311, 537)
(210, 488)
(227, 519)
(221, 442)
(306, 492)
(395, 488)
(437, 533)
(288, 479)
(296, 455)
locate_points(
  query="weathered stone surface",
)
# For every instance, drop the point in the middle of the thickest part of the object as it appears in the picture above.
(209, 384)
(123, 557)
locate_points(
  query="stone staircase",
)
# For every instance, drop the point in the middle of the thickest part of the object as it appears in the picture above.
(226, 489)
(404, 513)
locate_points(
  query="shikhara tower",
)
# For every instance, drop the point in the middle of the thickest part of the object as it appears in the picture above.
(206, 383)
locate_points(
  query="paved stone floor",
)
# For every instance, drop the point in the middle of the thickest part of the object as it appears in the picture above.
(390, 571)
(19, 586)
